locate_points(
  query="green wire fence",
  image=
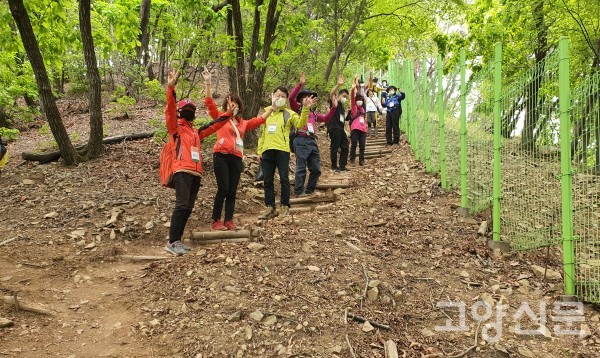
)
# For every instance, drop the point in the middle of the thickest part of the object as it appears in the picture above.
(527, 151)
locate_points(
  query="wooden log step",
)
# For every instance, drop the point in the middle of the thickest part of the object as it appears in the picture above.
(223, 241)
(381, 151)
(335, 185)
(374, 156)
(329, 185)
(143, 258)
(313, 199)
(325, 207)
(301, 209)
(220, 235)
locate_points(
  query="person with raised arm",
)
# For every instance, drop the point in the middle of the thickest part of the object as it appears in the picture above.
(228, 153)
(187, 159)
(358, 125)
(305, 143)
(274, 148)
(336, 129)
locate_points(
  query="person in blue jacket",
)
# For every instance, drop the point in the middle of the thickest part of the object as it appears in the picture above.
(393, 104)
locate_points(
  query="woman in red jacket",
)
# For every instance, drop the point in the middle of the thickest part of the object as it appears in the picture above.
(228, 153)
(187, 162)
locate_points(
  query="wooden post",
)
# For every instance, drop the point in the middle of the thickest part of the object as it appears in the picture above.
(222, 241)
(220, 235)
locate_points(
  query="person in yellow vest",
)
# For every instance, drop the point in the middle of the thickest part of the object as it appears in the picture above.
(274, 148)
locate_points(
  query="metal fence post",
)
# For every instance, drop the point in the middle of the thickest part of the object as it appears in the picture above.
(463, 130)
(497, 140)
(426, 117)
(565, 157)
(441, 122)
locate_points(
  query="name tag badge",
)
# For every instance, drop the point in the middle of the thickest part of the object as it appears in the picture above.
(195, 154)
(272, 128)
(239, 143)
(392, 104)
(361, 120)
(342, 118)
(311, 129)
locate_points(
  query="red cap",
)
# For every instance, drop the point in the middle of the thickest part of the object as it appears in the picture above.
(186, 103)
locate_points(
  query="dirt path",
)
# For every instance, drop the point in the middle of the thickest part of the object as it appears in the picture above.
(409, 250)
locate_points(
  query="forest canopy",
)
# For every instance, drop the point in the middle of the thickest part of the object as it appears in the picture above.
(258, 45)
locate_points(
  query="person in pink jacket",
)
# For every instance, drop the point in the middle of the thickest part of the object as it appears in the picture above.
(358, 125)
(305, 143)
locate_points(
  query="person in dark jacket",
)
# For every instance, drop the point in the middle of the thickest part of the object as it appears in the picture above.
(336, 128)
(393, 104)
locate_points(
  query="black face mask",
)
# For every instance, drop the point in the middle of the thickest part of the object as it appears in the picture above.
(187, 115)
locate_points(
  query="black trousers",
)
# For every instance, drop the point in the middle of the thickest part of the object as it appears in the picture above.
(186, 192)
(392, 124)
(228, 169)
(339, 140)
(276, 159)
(360, 138)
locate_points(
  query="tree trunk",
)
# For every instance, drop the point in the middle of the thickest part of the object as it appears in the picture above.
(3, 117)
(358, 16)
(162, 61)
(144, 37)
(533, 92)
(47, 99)
(252, 79)
(231, 71)
(94, 147)
(238, 30)
(148, 62)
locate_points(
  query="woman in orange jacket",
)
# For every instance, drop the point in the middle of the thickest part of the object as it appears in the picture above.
(187, 162)
(228, 153)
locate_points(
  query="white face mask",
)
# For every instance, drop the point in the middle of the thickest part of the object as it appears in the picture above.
(359, 103)
(343, 100)
(280, 102)
(392, 92)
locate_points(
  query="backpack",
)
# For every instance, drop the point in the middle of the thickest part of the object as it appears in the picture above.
(168, 153)
(293, 133)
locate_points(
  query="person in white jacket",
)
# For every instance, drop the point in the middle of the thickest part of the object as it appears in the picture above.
(373, 107)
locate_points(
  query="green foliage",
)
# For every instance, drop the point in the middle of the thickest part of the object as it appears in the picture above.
(160, 128)
(9, 134)
(44, 130)
(154, 90)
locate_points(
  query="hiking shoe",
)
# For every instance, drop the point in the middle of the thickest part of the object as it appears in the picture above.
(268, 214)
(361, 162)
(186, 248)
(344, 169)
(301, 195)
(218, 226)
(230, 225)
(175, 248)
(284, 210)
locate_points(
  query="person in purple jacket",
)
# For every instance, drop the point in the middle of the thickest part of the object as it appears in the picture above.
(305, 143)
